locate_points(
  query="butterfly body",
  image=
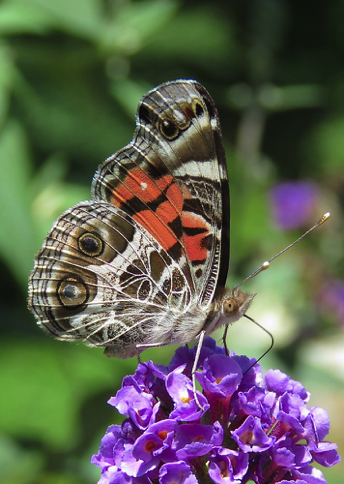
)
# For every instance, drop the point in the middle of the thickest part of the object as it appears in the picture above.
(144, 263)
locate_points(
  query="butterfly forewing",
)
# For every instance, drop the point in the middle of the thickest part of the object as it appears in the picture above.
(172, 179)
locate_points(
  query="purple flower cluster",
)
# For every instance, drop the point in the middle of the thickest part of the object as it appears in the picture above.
(250, 428)
(293, 203)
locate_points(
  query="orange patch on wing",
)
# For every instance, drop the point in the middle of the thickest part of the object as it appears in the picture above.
(166, 212)
(164, 181)
(169, 210)
(121, 195)
(138, 184)
(174, 194)
(195, 245)
(157, 228)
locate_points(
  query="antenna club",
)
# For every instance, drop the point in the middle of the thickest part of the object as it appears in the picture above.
(325, 217)
(265, 265)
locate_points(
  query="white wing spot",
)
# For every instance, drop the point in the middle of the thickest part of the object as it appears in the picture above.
(214, 123)
(179, 116)
(143, 186)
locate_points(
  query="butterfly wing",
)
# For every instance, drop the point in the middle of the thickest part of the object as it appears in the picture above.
(139, 265)
(172, 180)
(102, 278)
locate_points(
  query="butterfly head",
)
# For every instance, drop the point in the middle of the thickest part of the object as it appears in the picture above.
(235, 303)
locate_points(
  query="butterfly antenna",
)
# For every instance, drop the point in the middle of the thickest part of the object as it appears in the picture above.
(266, 264)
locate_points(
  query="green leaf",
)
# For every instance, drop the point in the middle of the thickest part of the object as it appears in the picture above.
(7, 75)
(80, 17)
(17, 234)
(198, 35)
(326, 145)
(18, 466)
(23, 17)
(135, 22)
(127, 93)
(47, 383)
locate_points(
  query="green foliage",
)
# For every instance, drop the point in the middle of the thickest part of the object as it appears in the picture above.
(71, 75)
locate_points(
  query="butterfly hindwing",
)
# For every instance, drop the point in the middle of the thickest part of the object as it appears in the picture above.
(102, 278)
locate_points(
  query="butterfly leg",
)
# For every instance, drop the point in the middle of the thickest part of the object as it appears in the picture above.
(224, 339)
(194, 367)
(146, 346)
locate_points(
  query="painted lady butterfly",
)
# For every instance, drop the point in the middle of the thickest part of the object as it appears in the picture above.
(144, 263)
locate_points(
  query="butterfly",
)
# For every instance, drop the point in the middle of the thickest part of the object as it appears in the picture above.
(144, 263)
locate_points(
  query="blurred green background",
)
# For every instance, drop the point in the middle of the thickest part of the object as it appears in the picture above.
(71, 75)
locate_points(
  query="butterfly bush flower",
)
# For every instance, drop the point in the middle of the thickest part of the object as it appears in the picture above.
(244, 428)
(293, 203)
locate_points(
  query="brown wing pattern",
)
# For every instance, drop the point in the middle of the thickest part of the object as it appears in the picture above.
(102, 278)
